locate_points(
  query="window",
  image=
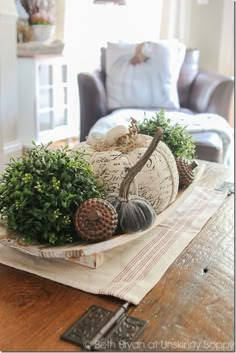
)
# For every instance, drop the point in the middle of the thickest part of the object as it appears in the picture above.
(89, 26)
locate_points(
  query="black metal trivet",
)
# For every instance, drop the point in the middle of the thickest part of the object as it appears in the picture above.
(103, 330)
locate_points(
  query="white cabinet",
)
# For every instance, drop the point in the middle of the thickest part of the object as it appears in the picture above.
(44, 113)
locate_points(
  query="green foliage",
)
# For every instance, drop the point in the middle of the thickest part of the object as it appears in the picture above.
(175, 136)
(40, 192)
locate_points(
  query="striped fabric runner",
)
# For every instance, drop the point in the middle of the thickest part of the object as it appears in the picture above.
(187, 220)
(130, 271)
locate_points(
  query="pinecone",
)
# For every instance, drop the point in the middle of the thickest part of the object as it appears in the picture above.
(186, 171)
(95, 220)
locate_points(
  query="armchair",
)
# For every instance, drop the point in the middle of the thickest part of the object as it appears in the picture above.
(199, 92)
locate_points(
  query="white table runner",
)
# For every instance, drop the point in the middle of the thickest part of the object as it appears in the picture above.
(130, 271)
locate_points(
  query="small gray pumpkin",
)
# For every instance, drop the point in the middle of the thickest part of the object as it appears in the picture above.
(134, 212)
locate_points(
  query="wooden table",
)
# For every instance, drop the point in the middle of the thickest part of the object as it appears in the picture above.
(190, 309)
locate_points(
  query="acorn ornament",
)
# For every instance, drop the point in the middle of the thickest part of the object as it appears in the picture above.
(186, 171)
(95, 220)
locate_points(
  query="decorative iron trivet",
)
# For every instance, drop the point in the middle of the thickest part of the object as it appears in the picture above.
(226, 186)
(103, 330)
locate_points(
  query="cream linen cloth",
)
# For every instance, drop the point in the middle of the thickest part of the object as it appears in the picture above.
(130, 271)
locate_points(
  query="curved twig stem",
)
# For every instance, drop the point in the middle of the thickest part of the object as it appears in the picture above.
(125, 185)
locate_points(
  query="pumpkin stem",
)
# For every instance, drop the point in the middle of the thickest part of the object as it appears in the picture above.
(125, 185)
(133, 130)
(138, 58)
(194, 165)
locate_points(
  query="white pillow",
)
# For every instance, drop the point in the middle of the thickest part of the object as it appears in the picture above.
(152, 83)
(115, 50)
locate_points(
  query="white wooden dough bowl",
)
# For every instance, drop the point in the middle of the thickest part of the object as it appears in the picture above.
(90, 255)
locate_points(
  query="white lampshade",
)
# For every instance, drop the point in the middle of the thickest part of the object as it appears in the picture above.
(115, 2)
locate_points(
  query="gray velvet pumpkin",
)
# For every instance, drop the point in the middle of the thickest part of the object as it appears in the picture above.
(134, 212)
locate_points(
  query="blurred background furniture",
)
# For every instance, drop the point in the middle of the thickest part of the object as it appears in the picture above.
(44, 109)
(199, 92)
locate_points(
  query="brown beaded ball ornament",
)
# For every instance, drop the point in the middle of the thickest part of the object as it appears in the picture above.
(186, 171)
(95, 220)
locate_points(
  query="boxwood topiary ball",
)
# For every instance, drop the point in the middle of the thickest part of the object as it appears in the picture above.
(40, 192)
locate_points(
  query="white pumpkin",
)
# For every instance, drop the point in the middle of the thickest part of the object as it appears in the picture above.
(157, 182)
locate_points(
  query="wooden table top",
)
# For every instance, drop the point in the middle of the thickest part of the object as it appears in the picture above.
(190, 309)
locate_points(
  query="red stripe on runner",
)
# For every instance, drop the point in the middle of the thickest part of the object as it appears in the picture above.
(181, 227)
(137, 258)
(162, 251)
(145, 269)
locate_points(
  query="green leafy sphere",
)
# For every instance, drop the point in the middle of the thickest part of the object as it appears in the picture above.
(39, 193)
(176, 137)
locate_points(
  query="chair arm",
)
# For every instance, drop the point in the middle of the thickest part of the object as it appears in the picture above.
(211, 93)
(93, 102)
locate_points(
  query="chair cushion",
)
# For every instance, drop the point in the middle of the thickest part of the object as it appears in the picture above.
(209, 146)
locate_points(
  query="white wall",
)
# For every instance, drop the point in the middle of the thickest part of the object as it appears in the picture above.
(9, 144)
(205, 31)
(59, 15)
(211, 29)
(226, 62)
(207, 25)
(204, 24)
(89, 26)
